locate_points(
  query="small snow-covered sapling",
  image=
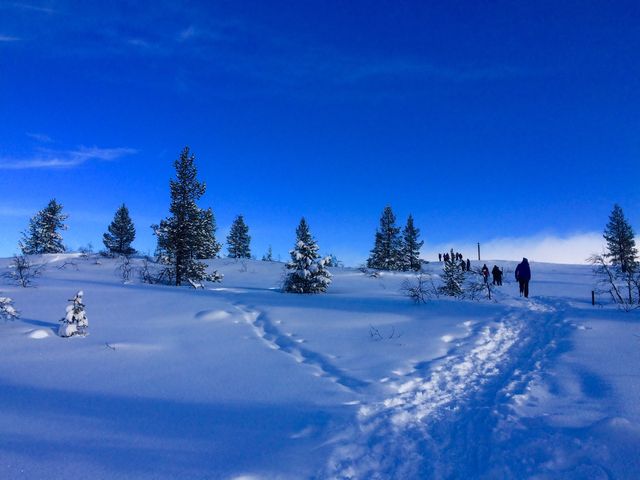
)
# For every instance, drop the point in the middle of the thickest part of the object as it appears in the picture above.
(75, 321)
(7, 310)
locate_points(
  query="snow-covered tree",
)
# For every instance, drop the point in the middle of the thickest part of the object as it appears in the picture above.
(121, 233)
(75, 321)
(187, 235)
(621, 244)
(7, 310)
(410, 255)
(44, 235)
(209, 247)
(332, 261)
(268, 257)
(307, 271)
(452, 277)
(386, 252)
(239, 239)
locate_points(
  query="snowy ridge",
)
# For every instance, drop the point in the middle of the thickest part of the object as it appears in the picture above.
(266, 330)
(406, 435)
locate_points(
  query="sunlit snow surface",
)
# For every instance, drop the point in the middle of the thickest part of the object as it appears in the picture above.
(240, 381)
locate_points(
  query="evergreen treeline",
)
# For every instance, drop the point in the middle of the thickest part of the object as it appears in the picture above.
(393, 251)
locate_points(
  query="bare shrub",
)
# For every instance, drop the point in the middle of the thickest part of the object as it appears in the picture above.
(420, 289)
(22, 271)
(377, 336)
(124, 268)
(622, 286)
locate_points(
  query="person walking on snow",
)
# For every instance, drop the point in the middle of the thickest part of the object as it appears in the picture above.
(497, 275)
(485, 273)
(523, 275)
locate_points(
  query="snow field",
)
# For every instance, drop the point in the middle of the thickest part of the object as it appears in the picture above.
(242, 381)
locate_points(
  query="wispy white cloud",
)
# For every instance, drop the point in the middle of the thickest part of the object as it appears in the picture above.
(8, 38)
(573, 249)
(29, 6)
(39, 137)
(51, 159)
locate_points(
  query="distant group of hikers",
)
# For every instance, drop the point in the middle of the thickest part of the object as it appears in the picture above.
(447, 256)
(464, 265)
(523, 271)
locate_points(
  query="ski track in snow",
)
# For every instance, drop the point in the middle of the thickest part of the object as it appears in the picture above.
(266, 330)
(439, 423)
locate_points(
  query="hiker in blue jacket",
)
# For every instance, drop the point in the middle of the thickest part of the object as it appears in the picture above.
(523, 275)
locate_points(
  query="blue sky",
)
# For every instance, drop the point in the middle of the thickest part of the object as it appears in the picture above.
(514, 124)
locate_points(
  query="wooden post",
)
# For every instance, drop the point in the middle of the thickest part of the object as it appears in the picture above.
(478, 251)
(593, 297)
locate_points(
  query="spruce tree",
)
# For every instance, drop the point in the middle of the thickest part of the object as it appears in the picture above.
(121, 233)
(452, 277)
(187, 234)
(75, 321)
(268, 257)
(239, 239)
(209, 247)
(44, 231)
(307, 271)
(621, 244)
(411, 246)
(386, 253)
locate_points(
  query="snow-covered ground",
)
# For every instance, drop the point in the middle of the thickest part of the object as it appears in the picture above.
(241, 381)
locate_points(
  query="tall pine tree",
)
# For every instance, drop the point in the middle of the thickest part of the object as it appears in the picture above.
(185, 236)
(387, 250)
(121, 233)
(44, 231)
(621, 244)
(239, 239)
(307, 271)
(411, 246)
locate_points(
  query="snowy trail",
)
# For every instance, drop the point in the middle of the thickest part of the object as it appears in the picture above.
(440, 424)
(267, 330)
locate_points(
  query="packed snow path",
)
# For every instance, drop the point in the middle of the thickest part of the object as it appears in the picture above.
(440, 421)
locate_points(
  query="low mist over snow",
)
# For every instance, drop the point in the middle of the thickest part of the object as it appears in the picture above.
(573, 249)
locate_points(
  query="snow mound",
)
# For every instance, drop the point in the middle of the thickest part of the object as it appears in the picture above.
(212, 315)
(38, 334)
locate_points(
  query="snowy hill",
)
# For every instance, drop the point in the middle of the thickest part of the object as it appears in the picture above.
(242, 381)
